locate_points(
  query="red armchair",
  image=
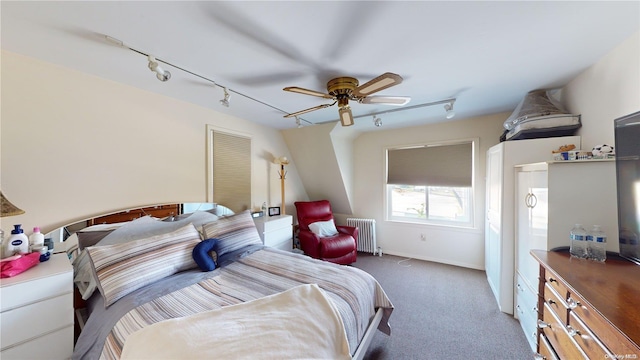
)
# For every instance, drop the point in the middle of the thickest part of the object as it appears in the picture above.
(340, 248)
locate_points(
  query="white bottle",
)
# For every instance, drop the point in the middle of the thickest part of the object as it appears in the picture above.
(36, 239)
(18, 242)
(598, 244)
(578, 246)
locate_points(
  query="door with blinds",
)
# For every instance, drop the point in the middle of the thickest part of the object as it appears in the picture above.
(229, 169)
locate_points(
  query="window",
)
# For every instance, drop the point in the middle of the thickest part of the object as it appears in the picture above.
(229, 169)
(431, 184)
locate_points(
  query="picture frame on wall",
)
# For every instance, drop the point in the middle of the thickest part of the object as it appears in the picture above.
(274, 211)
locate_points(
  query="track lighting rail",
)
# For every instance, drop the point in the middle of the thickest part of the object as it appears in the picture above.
(120, 43)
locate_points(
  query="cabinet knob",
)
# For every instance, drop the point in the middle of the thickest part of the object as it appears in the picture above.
(542, 324)
(572, 332)
(572, 303)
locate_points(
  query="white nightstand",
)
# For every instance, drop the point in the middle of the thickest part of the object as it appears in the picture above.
(36, 312)
(276, 231)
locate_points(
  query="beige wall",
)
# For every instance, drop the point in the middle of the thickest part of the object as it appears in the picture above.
(75, 145)
(606, 91)
(464, 247)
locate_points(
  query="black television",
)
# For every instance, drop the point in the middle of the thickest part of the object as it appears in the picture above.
(627, 148)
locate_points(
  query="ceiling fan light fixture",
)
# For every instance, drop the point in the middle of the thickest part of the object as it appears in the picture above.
(161, 74)
(346, 118)
(449, 109)
(225, 101)
(298, 123)
(377, 121)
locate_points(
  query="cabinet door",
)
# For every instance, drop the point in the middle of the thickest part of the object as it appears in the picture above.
(493, 230)
(532, 220)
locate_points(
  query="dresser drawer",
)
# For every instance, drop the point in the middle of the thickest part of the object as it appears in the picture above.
(615, 342)
(555, 303)
(545, 349)
(588, 342)
(527, 311)
(554, 281)
(556, 332)
(57, 345)
(32, 321)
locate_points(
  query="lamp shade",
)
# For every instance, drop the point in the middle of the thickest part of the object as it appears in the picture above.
(8, 209)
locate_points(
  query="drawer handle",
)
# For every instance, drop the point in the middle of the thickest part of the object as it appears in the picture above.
(535, 309)
(552, 280)
(542, 324)
(519, 309)
(539, 357)
(572, 332)
(550, 302)
(572, 303)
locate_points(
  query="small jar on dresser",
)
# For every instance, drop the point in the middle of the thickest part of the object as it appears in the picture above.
(276, 231)
(36, 312)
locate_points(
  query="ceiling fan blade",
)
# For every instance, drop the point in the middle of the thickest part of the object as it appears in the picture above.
(385, 100)
(300, 90)
(346, 117)
(308, 110)
(379, 83)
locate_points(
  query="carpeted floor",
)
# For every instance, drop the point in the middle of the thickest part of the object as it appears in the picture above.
(441, 312)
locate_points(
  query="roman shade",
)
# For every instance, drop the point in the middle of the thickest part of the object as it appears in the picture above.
(232, 171)
(440, 165)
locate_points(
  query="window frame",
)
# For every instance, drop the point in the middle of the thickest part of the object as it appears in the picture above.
(471, 224)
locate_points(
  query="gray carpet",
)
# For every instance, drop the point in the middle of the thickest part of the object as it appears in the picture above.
(441, 312)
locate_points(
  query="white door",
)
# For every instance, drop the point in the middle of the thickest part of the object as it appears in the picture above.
(532, 222)
(493, 231)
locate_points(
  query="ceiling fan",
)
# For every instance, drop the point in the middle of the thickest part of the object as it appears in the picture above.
(343, 89)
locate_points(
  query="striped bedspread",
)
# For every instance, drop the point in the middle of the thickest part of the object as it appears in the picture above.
(355, 294)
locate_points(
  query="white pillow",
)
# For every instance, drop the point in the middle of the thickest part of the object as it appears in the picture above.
(324, 228)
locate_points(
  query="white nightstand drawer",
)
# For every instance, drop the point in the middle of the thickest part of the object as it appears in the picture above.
(276, 237)
(286, 245)
(53, 346)
(45, 280)
(274, 223)
(32, 321)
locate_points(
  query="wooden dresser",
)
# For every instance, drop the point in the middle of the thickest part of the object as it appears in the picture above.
(588, 310)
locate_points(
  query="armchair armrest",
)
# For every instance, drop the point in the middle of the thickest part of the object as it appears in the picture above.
(350, 230)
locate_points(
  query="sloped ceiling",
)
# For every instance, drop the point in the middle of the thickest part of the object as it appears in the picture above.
(487, 54)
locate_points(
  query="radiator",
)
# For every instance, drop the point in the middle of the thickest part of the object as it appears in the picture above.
(366, 234)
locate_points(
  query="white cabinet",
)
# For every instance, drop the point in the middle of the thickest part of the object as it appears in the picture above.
(550, 199)
(499, 221)
(531, 233)
(36, 312)
(276, 231)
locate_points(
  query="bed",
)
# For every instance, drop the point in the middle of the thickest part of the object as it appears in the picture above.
(148, 292)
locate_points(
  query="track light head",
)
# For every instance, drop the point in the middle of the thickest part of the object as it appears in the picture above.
(449, 109)
(225, 101)
(377, 121)
(161, 74)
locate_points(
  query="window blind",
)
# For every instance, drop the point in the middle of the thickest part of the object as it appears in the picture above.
(232, 171)
(442, 165)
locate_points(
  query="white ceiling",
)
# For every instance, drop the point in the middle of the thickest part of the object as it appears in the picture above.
(488, 55)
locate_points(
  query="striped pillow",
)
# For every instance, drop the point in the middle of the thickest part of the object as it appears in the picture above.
(233, 232)
(124, 268)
